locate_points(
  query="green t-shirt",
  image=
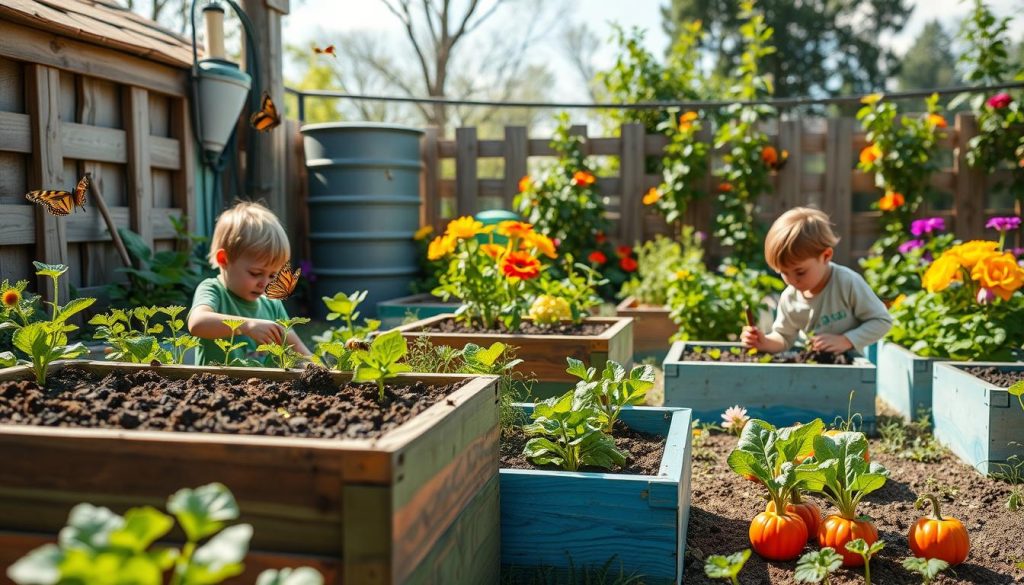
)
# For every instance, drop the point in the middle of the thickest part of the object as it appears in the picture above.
(214, 294)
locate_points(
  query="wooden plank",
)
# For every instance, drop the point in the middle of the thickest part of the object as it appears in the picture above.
(159, 115)
(790, 177)
(35, 46)
(47, 168)
(140, 172)
(971, 184)
(15, 132)
(904, 379)
(838, 178)
(605, 146)
(631, 163)
(490, 148)
(515, 161)
(165, 153)
(467, 187)
(652, 328)
(14, 178)
(430, 210)
(12, 86)
(184, 179)
(85, 142)
(17, 226)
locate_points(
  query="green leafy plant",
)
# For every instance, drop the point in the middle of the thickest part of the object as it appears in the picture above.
(569, 434)
(613, 391)
(929, 569)
(711, 306)
(866, 551)
(381, 361)
(893, 276)
(99, 546)
(913, 441)
(228, 346)
(577, 290)
(17, 309)
(659, 261)
(767, 454)
(284, 353)
(684, 163)
(726, 567)
(815, 567)
(346, 307)
(141, 345)
(1012, 472)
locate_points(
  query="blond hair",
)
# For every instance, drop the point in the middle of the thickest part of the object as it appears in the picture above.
(250, 228)
(798, 234)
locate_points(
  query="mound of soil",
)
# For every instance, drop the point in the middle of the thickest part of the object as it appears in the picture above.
(995, 376)
(644, 451)
(527, 328)
(310, 406)
(789, 357)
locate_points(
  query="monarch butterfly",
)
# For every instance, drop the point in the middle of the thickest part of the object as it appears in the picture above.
(284, 283)
(329, 50)
(774, 159)
(267, 117)
(61, 202)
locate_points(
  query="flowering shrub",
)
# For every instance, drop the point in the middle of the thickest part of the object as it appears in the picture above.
(969, 308)
(683, 166)
(899, 273)
(658, 260)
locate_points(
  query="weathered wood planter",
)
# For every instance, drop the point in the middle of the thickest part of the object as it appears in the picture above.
(904, 379)
(544, 355)
(979, 422)
(652, 328)
(781, 394)
(394, 312)
(554, 518)
(417, 505)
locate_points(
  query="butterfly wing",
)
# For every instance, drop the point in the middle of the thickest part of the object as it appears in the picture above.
(284, 283)
(80, 190)
(267, 117)
(56, 202)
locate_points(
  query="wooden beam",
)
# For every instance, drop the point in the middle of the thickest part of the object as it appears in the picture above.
(15, 132)
(970, 184)
(838, 201)
(17, 225)
(466, 184)
(183, 196)
(430, 208)
(140, 170)
(47, 168)
(631, 162)
(515, 162)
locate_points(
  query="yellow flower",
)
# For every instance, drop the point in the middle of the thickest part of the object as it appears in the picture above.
(440, 247)
(937, 121)
(731, 271)
(525, 183)
(423, 232)
(871, 99)
(652, 196)
(11, 297)
(543, 244)
(870, 154)
(493, 250)
(999, 273)
(898, 301)
(548, 310)
(687, 119)
(464, 228)
(969, 253)
(941, 273)
(682, 274)
(514, 229)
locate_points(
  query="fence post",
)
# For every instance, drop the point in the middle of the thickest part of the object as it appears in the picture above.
(516, 152)
(430, 208)
(838, 200)
(791, 176)
(969, 196)
(467, 191)
(631, 165)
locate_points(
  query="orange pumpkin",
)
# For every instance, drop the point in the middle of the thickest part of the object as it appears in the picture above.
(935, 537)
(809, 512)
(834, 432)
(779, 537)
(836, 531)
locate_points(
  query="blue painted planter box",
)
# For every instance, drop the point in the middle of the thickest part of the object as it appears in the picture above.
(904, 379)
(395, 312)
(979, 422)
(781, 394)
(871, 352)
(550, 517)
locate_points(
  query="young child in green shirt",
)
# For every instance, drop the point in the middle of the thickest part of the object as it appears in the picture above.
(249, 246)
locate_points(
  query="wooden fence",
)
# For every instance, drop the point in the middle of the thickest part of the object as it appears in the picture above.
(821, 171)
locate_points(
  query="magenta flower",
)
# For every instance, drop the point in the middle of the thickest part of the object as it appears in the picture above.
(307, 270)
(1003, 224)
(919, 227)
(909, 245)
(985, 296)
(999, 101)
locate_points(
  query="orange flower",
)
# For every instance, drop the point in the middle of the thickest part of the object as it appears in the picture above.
(999, 273)
(514, 229)
(525, 183)
(543, 244)
(600, 238)
(769, 155)
(628, 264)
(687, 119)
(440, 247)
(597, 257)
(870, 154)
(937, 121)
(652, 196)
(970, 253)
(724, 187)
(891, 200)
(520, 265)
(423, 232)
(11, 297)
(492, 250)
(583, 179)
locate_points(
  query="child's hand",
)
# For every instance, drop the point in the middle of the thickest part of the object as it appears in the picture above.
(752, 337)
(831, 343)
(263, 331)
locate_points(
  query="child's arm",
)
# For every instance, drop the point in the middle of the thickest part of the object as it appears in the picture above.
(204, 322)
(770, 343)
(868, 309)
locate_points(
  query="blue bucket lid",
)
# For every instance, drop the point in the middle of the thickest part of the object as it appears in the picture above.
(494, 216)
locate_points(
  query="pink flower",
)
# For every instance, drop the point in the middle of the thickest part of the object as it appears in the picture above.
(735, 419)
(999, 101)
(927, 225)
(985, 296)
(909, 245)
(1003, 224)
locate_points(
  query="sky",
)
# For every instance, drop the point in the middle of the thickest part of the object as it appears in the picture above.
(313, 19)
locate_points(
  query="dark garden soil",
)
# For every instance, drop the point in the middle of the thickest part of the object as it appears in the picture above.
(789, 357)
(723, 503)
(527, 328)
(311, 406)
(645, 451)
(995, 376)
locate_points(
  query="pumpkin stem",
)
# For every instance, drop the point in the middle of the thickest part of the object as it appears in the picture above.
(795, 497)
(936, 510)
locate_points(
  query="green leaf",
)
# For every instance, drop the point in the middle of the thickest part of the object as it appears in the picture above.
(578, 369)
(1017, 388)
(487, 357)
(7, 359)
(203, 510)
(722, 567)
(798, 442)
(142, 526)
(813, 567)
(39, 567)
(927, 568)
(389, 347)
(51, 270)
(298, 576)
(25, 338)
(140, 347)
(74, 306)
(860, 546)
(220, 557)
(89, 527)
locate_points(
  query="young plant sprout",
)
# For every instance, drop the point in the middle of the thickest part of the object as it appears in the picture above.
(929, 569)
(815, 567)
(229, 345)
(381, 361)
(726, 567)
(283, 352)
(866, 551)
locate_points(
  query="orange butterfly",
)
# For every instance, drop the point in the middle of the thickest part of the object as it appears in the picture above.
(267, 117)
(61, 202)
(329, 50)
(284, 283)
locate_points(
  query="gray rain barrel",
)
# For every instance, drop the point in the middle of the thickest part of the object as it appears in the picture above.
(364, 207)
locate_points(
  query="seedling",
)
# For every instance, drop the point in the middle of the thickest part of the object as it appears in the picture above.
(715, 353)
(228, 346)
(612, 391)
(1012, 472)
(815, 567)
(344, 307)
(862, 548)
(141, 345)
(927, 568)
(726, 567)
(1017, 389)
(853, 420)
(284, 352)
(381, 361)
(568, 434)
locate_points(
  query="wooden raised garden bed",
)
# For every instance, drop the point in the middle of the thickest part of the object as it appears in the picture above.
(543, 355)
(554, 518)
(904, 379)
(779, 393)
(978, 420)
(394, 312)
(652, 328)
(416, 504)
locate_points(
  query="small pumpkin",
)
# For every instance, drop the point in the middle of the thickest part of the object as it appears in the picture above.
(778, 537)
(835, 531)
(938, 537)
(809, 512)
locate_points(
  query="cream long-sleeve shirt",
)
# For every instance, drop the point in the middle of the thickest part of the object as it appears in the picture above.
(846, 306)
